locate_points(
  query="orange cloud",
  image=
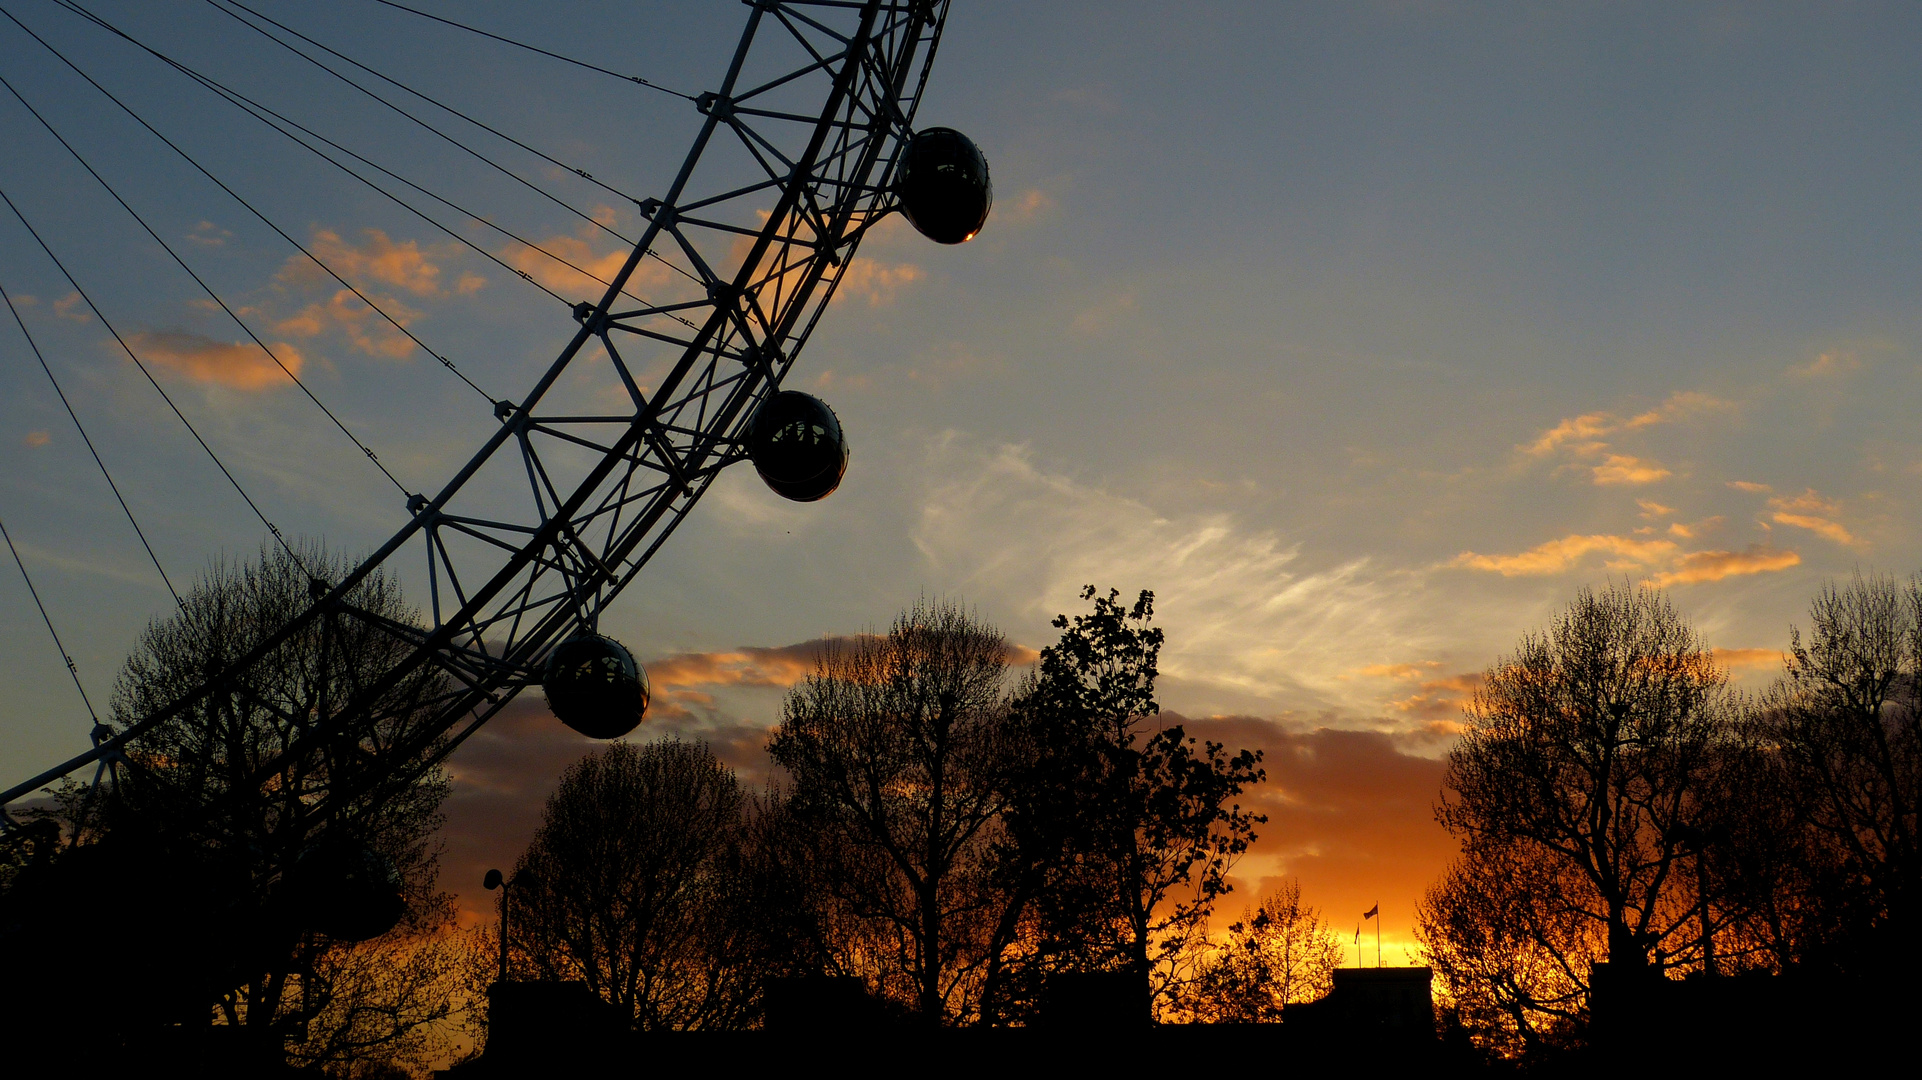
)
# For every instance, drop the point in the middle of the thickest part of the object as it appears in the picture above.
(1652, 509)
(207, 234)
(37, 439)
(1575, 429)
(1582, 433)
(236, 365)
(68, 307)
(1696, 528)
(877, 282)
(1834, 362)
(1809, 502)
(1622, 469)
(403, 265)
(363, 326)
(1350, 814)
(1734, 659)
(1750, 486)
(1399, 672)
(1557, 555)
(1811, 511)
(1822, 527)
(1703, 566)
(1440, 701)
(1680, 406)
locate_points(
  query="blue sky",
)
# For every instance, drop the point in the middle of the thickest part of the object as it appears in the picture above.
(1362, 333)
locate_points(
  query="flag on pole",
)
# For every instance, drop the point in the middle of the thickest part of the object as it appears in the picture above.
(1371, 913)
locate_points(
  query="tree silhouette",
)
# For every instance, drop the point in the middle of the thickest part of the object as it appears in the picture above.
(1280, 953)
(1591, 748)
(629, 883)
(1120, 836)
(1847, 718)
(218, 882)
(894, 747)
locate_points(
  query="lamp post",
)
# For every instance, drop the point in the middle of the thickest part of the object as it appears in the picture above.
(493, 881)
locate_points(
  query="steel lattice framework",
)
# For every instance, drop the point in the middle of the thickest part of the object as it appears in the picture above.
(760, 222)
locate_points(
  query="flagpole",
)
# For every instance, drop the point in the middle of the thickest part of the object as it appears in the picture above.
(1378, 934)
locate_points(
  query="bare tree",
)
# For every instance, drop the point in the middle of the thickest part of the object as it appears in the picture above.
(628, 882)
(1847, 718)
(1592, 751)
(393, 1003)
(192, 849)
(1510, 943)
(1280, 953)
(893, 748)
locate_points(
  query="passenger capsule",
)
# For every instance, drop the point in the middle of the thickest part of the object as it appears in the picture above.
(595, 686)
(350, 894)
(944, 186)
(798, 447)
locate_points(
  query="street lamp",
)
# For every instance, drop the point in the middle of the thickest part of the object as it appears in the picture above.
(493, 881)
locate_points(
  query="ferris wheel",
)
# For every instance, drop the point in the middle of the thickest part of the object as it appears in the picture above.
(805, 142)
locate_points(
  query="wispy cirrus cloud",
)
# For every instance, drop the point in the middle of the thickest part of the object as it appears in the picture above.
(1248, 617)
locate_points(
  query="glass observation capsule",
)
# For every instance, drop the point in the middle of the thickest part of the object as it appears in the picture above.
(944, 187)
(596, 687)
(351, 894)
(798, 447)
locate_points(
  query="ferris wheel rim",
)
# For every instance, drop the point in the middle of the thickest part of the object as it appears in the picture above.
(797, 324)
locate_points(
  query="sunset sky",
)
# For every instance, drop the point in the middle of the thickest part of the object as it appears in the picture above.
(1364, 334)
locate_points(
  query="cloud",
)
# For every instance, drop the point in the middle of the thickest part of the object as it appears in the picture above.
(37, 439)
(1681, 405)
(1101, 316)
(1695, 528)
(1575, 429)
(1822, 527)
(1704, 566)
(1809, 502)
(1750, 486)
(69, 307)
(1738, 659)
(1582, 434)
(1350, 815)
(364, 327)
(1248, 618)
(1833, 362)
(236, 365)
(876, 281)
(1025, 207)
(403, 265)
(1440, 701)
(1811, 511)
(1556, 556)
(1622, 469)
(1652, 509)
(597, 267)
(207, 234)
(1400, 672)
